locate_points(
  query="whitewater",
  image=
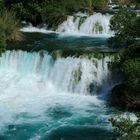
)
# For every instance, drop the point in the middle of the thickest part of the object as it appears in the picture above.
(80, 24)
(40, 95)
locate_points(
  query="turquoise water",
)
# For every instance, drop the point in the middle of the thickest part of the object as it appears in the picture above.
(41, 98)
(61, 122)
(52, 41)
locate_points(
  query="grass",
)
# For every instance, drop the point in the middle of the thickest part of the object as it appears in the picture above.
(9, 27)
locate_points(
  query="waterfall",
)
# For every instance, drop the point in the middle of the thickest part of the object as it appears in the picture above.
(72, 75)
(94, 25)
(39, 95)
(110, 1)
(79, 24)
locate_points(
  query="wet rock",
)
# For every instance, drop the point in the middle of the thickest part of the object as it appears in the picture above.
(126, 97)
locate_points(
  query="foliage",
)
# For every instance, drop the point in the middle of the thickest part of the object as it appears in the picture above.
(126, 26)
(127, 29)
(98, 27)
(9, 27)
(2, 45)
(127, 62)
(131, 68)
(1, 4)
(30, 12)
(126, 128)
(81, 21)
(52, 12)
(126, 2)
(55, 15)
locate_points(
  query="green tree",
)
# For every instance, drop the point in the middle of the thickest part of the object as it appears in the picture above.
(126, 25)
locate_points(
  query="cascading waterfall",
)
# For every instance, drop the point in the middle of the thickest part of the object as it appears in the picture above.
(74, 75)
(39, 95)
(96, 24)
(80, 24)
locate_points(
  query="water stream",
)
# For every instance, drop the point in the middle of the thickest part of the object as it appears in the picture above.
(80, 24)
(46, 99)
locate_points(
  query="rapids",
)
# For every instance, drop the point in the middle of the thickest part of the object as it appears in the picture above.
(46, 99)
(80, 24)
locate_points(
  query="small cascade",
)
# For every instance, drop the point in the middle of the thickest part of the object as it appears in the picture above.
(94, 25)
(70, 75)
(79, 24)
(110, 1)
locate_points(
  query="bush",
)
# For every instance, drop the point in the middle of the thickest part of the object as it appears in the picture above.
(127, 63)
(9, 27)
(125, 24)
(131, 69)
(53, 15)
(126, 128)
(31, 12)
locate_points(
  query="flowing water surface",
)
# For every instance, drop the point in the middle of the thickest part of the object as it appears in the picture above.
(42, 98)
(45, 99)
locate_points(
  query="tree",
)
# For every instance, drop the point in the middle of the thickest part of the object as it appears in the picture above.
(126, 25)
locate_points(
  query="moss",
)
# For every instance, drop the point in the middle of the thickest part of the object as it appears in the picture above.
(57, 54)
(97, 27)
(101, 29)
(74, 19)
(97, 55)
(81, 21)
(2, 45)
(80, 53)
(77, 75)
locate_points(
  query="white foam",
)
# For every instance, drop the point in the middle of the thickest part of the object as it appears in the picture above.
(32, 83)
(90, 27)
(128, 115)
(32, 29)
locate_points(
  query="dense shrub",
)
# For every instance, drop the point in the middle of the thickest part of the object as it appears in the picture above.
(126, 128)
(126, 25)
(9, 27)
(127, 63)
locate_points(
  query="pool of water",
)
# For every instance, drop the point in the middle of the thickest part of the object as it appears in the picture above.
(52, 41)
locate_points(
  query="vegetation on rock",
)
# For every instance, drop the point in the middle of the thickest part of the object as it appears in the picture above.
(9, 28)
(126, 26)
(127, 64)
(77, 74)
(126, 128)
